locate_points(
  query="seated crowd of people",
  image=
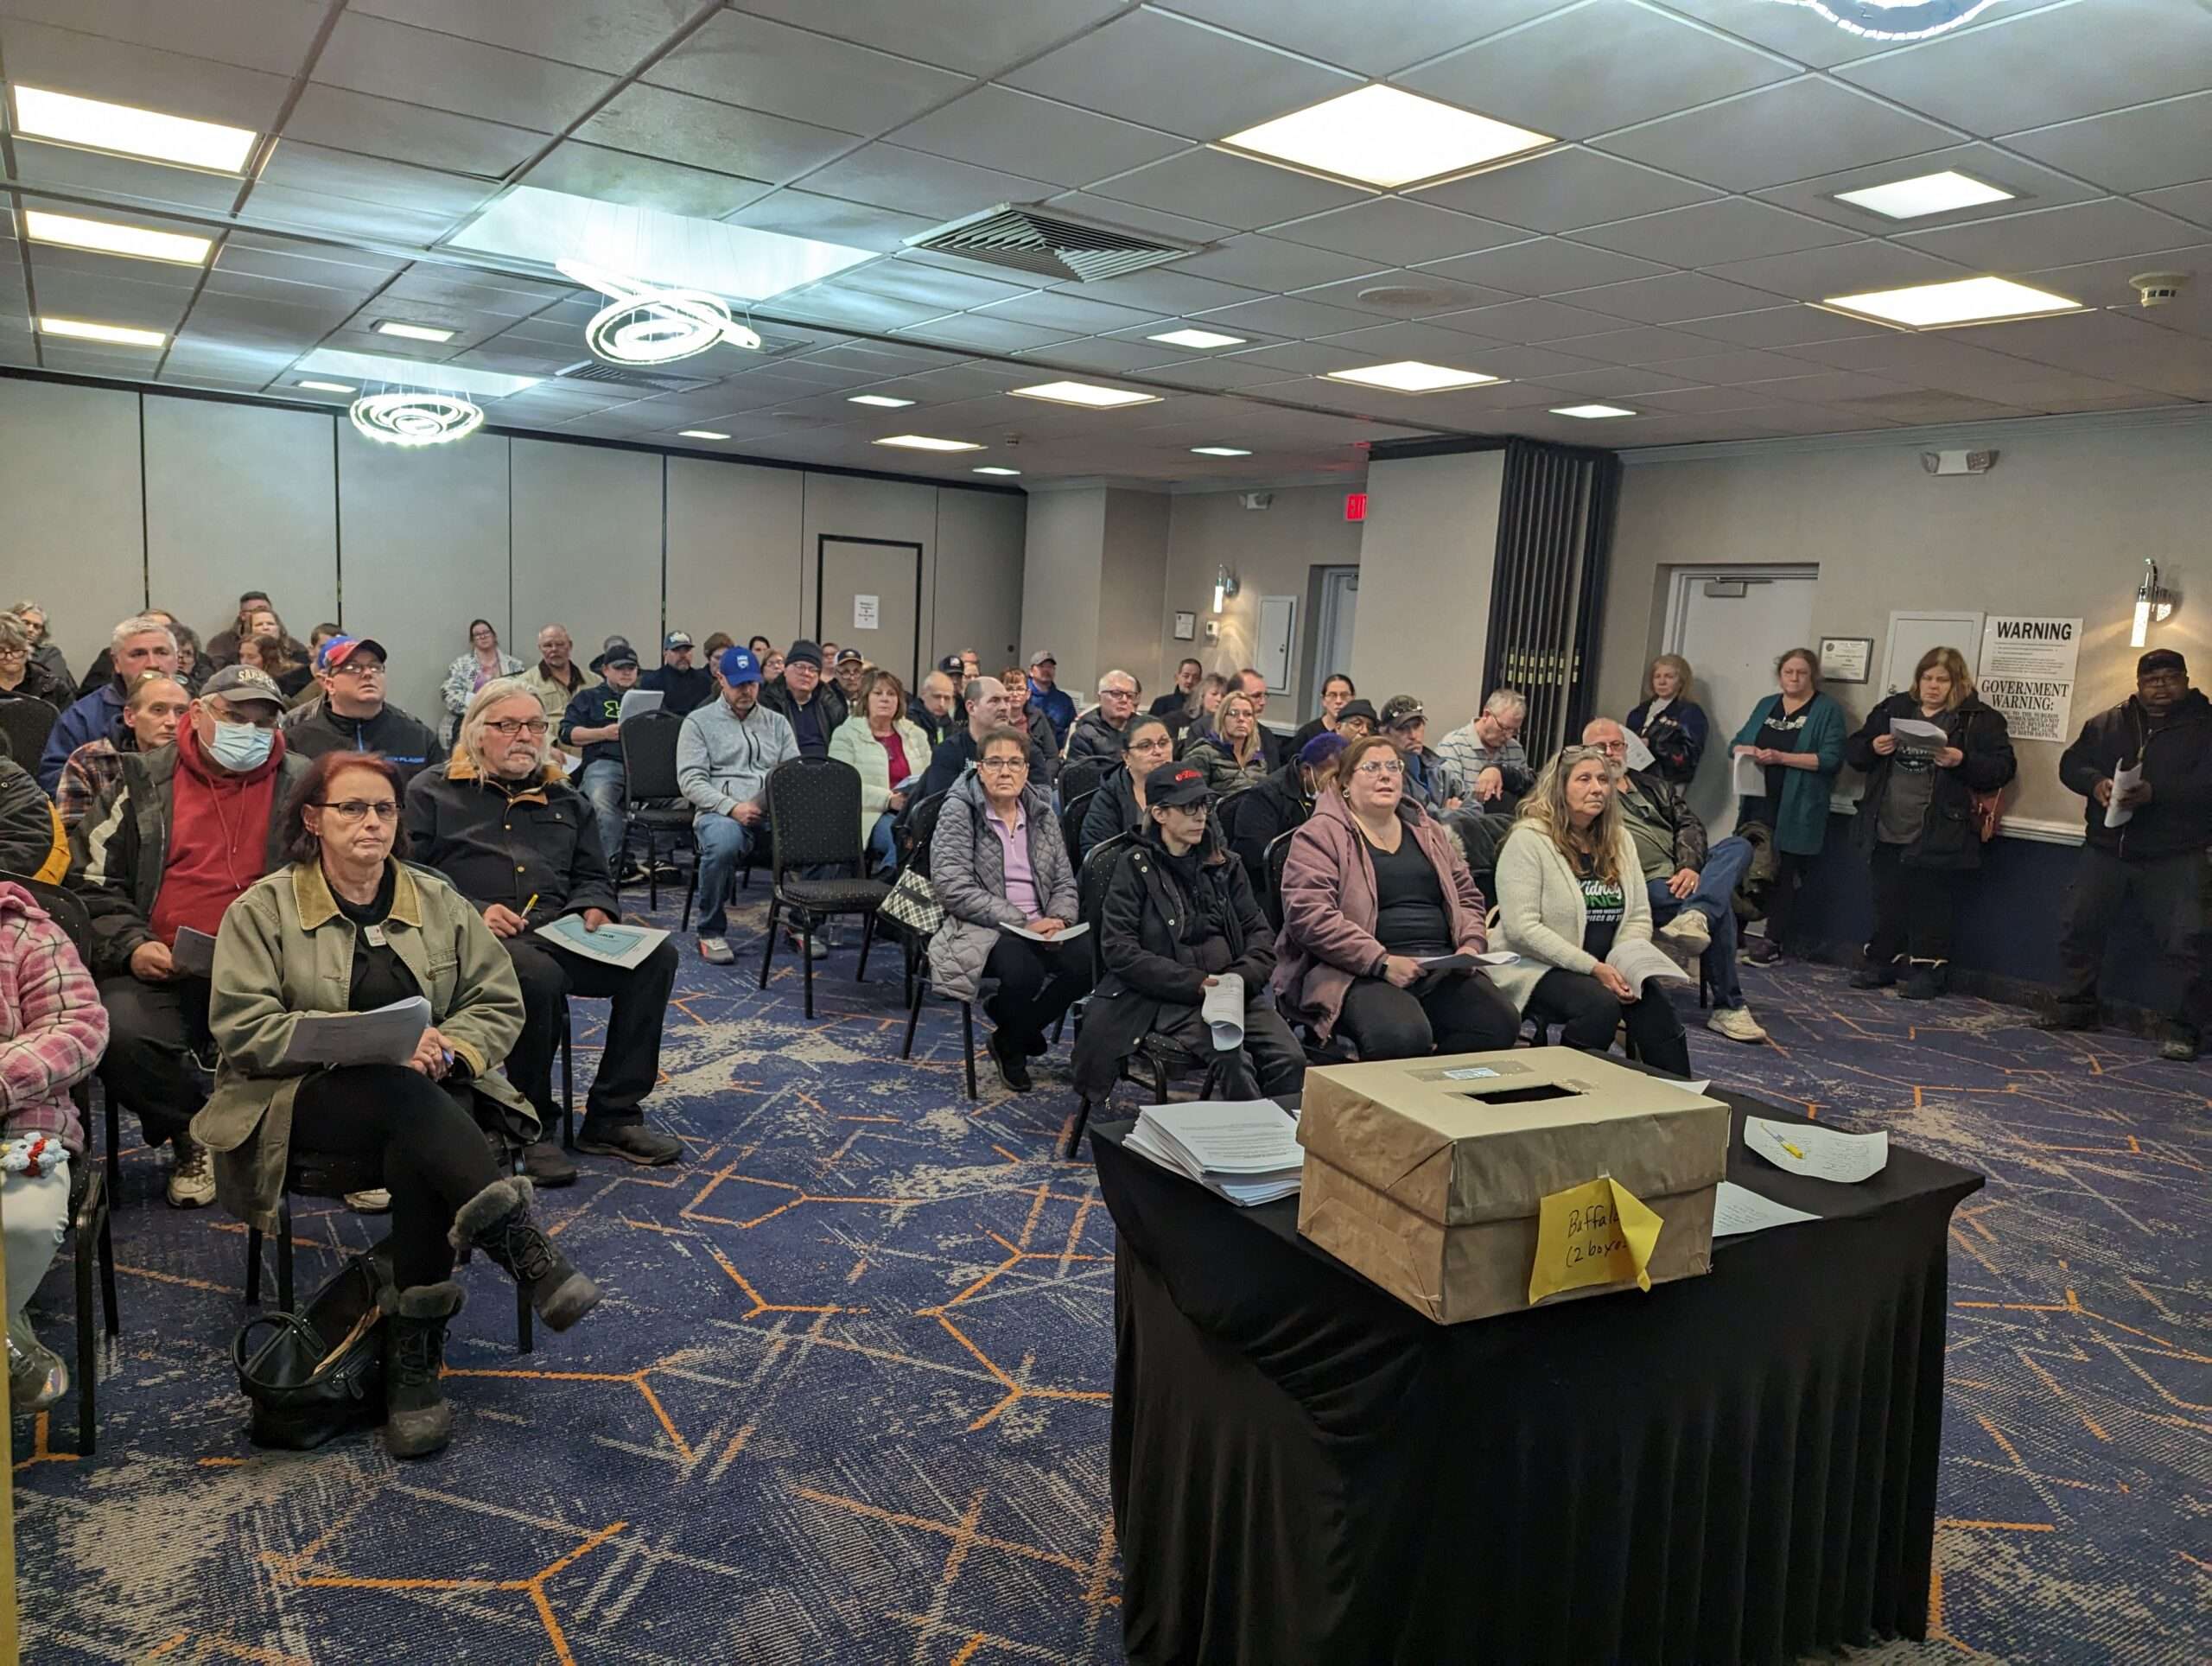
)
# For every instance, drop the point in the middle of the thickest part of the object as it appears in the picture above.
(339, 853)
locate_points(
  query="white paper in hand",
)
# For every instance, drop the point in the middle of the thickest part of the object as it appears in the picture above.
(1748, 780)
(1639, 962)
(384, 1035)
(1918, 737)
(2123, 778)
(1825, 1153)
(1224, 1011)
(622, 947)
(1639, 755)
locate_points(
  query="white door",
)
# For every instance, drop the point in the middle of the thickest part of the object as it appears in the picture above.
(1339, 607)
(1732, 624)
(869, 596)
(1914, 633)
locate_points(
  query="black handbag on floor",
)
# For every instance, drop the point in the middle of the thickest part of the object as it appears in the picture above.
(319, 1373)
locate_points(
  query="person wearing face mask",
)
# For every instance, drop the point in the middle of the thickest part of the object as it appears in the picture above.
(140, 644)
(151, 712)
(183, 834)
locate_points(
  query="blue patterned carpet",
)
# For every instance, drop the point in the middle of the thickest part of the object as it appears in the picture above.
(846, 1399)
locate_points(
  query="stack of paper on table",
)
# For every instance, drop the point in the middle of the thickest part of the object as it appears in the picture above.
(1247, 1150)
(1825, 1154)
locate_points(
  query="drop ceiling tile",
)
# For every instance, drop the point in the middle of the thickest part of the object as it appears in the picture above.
(1402, 231)
(1116, 354)
(1618, 384)
(1670, 299)
(2104, 283)
(109, 299)
(1942, 358)
(2191, 202)
(84, 64)
(1704, 400)
(1647, 345)
(1285, 315)
(831, 220)
(1545, 266)
(353, 219)
(592, 170)
(1386, 343)
(1791, 130)
(1163, 72)
(1524, 364)
(907, 280)
(299, 264)
(1599, 65)
(856, 309)
(2129, 150)
(1781, 327)
(1999, 76)
(416, 66)
(1305, 358)
(655, 122)
(739, 59)
(613, 36)
(341, 120)
(1744, 365)
(1527, 321)
(308, 168)
(995, 334)
(1135, 216)
(271, 35)
(2032, 186)
(118, 179)
(1059, 310)
(1844, 269)
(1708, 233)
(1268, 264)
(1827, 387)
(47, 259)
(2057, 237)
(1564, 189)
(890, 176)
(1432, 296)
(1795, 31)
(2111, 345)
(1213, 186)
(1229, 372)
(1164, 292)
(998, 127)
(1376, 38)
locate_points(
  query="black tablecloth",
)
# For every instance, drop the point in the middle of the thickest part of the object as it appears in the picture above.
(1740, 1466)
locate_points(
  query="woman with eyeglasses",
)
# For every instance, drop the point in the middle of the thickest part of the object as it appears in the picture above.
(1373, 888)
(1118, 804)
(1000, 867)
(349, 926)
(1337, 693)
(482, 663)
(1232, 754)
(1570, 885)
(45, 654)
(891, 754)
(1796, 737)
(21, 675)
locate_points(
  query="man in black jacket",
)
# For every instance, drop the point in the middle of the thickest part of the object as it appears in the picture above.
(684, 687)
(812, 707)
(354, 715)
(1179, 916)
(988, 703)
(2157, 853)
(517, 840)
(26, 820)
(935, 708)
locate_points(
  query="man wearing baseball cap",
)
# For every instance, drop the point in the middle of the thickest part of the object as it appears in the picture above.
(812, 707)
(1431, 781)
(2157, 854)
(594, 722)
(354, 715)
(684, 687)
(211, 804)
(1178, 917)
(1045, 692)
(723, 756)
(850, 670)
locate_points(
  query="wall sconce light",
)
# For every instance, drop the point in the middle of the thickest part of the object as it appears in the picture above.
(1224, 586)
(2153, 604)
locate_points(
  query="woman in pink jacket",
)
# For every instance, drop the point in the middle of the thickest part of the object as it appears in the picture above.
(53, 1030)
(1372, 886)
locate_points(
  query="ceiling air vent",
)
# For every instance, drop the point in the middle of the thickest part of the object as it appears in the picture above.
(1049, 244)
(619, 376)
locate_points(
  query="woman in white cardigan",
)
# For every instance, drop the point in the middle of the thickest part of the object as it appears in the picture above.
(890, 752)
(1569, 887)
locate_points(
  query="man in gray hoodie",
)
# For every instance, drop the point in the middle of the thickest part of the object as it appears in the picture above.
(723, 756)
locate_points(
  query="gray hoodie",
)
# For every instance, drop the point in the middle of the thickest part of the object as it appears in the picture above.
(722, 762)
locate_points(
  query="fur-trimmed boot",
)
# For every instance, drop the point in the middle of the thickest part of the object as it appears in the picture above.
(417, 1421)
(496, 1220)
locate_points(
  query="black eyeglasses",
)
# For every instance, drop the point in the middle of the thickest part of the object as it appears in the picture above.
(511, 727)
(357, 810)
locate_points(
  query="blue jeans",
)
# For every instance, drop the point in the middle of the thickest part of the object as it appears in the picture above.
(882, 850)
(1714, 898)
(603, 783)
(723, 843)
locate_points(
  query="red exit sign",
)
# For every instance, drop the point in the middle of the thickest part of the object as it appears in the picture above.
(1354, 506)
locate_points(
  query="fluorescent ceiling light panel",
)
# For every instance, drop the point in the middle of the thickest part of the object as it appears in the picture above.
(652, 246)
(1591, 411)
(89, 124)
(699, 434)
(993, 468)
(1085, 393)
(1961, 300)
(105, 237)
(118, 335)
(1929, 193)
(1383, 137)
(373, 367)
(1217, 451)
(929, 442)
(882, 399)
(1199, 338)
(413, 332)
(1412, 376)
(327, 387)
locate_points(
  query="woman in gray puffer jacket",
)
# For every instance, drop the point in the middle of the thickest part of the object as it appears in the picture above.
(997, 861)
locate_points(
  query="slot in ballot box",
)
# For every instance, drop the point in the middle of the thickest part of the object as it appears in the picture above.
(1428, 1175)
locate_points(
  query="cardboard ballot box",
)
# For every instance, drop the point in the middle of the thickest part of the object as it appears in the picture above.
(1428, 1175)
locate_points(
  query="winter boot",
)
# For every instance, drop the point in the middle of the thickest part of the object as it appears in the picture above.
(418, 1420)
(497, 1221)
(1876, 975)
(1929, 979)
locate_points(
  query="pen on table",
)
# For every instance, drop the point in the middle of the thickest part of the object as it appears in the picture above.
(1791, 1149)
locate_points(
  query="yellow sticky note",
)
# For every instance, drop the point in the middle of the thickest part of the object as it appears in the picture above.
(1596, 1233)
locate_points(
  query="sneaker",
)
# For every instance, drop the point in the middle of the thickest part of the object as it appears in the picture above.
(2068, 1018)
(1760, 951)
(1929, 979)
(635, 874)
(546, 1165)
(375, 1201)
(36, 1376)
(192, 1183)
(1735, 1023)
(1871, 975)
(2180, 1045)
(631, 1141)
(817, 945)
(1690, 929)
(1013, 1067)
(715, 952)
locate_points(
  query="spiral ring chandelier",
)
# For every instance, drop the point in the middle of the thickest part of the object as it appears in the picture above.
(404, 418)
(641, 325)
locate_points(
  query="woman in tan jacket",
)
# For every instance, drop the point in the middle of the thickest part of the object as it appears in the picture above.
(349, 927)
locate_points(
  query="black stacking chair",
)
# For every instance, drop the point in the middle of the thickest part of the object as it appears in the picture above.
(1271, 894)
(657, 803)
(1084, 775)
(1072, 825)
(26, 721)
(916, 827)
(814, 820)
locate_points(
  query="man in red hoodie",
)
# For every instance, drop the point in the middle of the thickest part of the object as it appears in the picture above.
(157, 859)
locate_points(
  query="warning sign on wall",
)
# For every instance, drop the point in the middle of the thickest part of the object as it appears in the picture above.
(2027, 673)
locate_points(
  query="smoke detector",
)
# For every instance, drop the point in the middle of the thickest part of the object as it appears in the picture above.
(2156, 288)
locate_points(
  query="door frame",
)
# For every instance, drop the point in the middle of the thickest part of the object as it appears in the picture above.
(1679, 582)
(822, 542)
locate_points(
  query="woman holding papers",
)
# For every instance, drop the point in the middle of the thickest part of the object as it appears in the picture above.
(1373, 886)
(1572, 897)
(349, 927)
(1792, 747)
(1927, 752)
(891, 753)
(1002, 874)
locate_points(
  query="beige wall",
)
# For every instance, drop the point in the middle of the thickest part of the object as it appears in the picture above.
(1061, 565)
(72, 536)
(1425, 570)
(1133, 583)
(2058, 528)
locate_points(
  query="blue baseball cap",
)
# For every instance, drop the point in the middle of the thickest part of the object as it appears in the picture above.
(337, 650)
(739, 665)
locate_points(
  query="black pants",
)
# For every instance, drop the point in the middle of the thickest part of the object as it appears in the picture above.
(2170, 894)
(1782, 898)
(1913, 908)
(629, 1064)
(154, 1030)
(1588, 1011)
(435, 1158)
(1038, 981)
(1268, 1065)
(1442, 1013)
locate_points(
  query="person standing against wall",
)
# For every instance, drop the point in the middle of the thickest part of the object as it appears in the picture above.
(1916, 821)
(1671, 725)
(1796, 737)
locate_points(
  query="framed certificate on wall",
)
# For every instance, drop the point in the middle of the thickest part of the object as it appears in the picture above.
(1186, 626)
(1846, 659)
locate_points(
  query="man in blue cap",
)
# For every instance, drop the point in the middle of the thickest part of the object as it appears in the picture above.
(722, 759)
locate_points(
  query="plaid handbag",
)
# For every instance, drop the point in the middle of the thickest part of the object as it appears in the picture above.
(912, 903)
